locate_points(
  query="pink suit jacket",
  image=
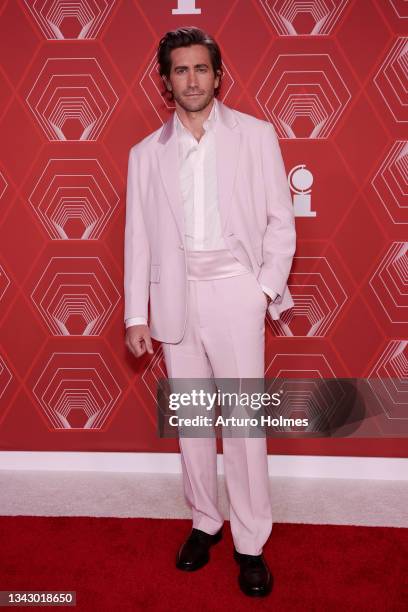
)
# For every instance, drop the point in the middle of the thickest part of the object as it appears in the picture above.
(256, 212)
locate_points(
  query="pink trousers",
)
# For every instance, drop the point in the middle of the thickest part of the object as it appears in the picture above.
(224, 338)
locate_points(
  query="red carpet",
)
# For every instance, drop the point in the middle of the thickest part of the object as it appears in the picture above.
(128, 564)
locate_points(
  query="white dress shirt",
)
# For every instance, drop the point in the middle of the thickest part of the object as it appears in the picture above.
(198, 184)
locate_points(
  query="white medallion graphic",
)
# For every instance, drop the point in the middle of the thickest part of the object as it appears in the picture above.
(300, 181)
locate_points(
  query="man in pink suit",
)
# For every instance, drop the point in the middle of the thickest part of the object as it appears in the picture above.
(209, 243)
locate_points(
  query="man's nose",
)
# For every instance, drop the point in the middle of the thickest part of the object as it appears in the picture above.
(192, 78)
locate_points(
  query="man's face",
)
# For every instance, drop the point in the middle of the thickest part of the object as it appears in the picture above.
(192, 79)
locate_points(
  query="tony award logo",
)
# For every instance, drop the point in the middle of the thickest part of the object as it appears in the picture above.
(300, 182)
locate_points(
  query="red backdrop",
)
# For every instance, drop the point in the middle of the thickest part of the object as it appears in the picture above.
(79, 87)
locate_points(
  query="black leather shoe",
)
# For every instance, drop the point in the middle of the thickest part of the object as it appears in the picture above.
(254, 578)
(194, 553)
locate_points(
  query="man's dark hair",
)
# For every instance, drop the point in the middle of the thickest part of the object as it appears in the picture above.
(185, 37)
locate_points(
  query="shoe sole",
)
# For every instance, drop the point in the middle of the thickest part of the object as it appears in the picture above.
(257, 593)
(193, 568)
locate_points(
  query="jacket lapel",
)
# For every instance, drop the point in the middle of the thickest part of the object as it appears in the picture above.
(169, 170)
(227, 137)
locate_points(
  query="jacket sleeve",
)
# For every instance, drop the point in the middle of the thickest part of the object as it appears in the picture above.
(279, 242)
(136, 246)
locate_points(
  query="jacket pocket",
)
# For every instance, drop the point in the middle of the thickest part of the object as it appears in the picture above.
(154, 273)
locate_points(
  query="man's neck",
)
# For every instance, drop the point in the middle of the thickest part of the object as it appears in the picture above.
(193, 121)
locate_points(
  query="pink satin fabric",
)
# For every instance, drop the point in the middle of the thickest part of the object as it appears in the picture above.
(207, 265)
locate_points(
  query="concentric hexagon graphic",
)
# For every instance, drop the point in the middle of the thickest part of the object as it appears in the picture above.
(303, 95)
(400, 7)
(299, 365)
(389, 380)
(390, 283)
(5, 376)
(317, 400)
(4, 282)
(76, 391)
(74, 199)
(297, 17)
(3, 185)
(72, 98)
(152, 86)
(318, 296)
(75, 296)
(391, 182)
(304, 391)
(391, 80)
(59, 19)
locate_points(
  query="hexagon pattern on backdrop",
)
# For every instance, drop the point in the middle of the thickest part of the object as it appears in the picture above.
(79, 87)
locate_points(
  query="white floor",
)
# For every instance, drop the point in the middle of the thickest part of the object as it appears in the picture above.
(333, 501)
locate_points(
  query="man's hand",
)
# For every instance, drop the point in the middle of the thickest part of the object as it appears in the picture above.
(138, 340)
